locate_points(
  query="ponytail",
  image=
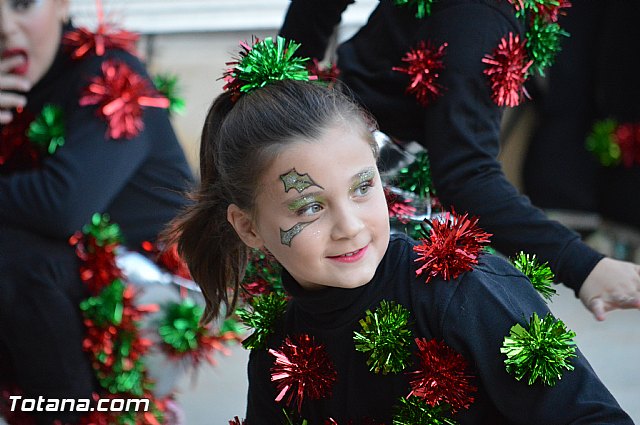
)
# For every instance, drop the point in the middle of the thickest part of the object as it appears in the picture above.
(215, 255)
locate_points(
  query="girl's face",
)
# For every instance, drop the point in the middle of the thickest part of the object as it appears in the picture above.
(321, 210)
(30, 31)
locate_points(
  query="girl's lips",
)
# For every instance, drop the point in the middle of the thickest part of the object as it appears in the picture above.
(350, 257)
(21, 69)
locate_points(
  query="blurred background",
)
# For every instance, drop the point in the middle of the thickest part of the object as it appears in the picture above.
(194, 38)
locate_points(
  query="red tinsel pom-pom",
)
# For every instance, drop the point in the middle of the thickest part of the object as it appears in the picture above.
(507, 71)
(17, 153)
(399, 207)
(452, 247)
(423, 65)
(441, 376)
(121, 95)
(627, 136)
(82, 41)
(236, 421)
(328, 74)
(302, 369)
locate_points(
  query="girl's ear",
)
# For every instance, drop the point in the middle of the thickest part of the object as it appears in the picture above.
(243, 225)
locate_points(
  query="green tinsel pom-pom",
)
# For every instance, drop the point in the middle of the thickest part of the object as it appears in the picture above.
(106, 308)
(414, 410)
(416, 177)
(265, 311)
(180, 327)
(268, 61)
(602, 143)
(540, 275)
(422, 7)
(541, 352)
(543, 43)
(47, 130)
(102, 230)
(385, 335)
(167, 85)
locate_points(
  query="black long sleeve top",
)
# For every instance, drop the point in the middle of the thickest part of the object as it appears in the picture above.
(460, 129)
(139, 182)
(471, 314)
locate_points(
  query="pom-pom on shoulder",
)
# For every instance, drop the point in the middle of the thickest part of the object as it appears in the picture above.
(451, 246)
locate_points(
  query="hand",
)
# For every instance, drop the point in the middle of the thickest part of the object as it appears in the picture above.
(11, 85)
(611, 285)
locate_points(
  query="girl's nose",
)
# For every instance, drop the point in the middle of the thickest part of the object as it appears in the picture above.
(347, 222)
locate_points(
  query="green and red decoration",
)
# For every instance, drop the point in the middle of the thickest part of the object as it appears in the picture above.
(265, 62)
(508, 69)
(327, 74)
(121, 95)
(442, 376)
(615, 143)
(262, 314)
(423, 65)
(82, 42)
(47, 131)
(302, 370)
(451, 246)
(422, 7)
(416, 177)
(539, 274)
(414, 410)
(385, 337)
(168, 86)
(399, 207)
(540, 352)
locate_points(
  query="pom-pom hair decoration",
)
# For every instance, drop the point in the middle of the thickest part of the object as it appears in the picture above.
(121, 94)
(508, 70)
(265, 62)
(441, 377)
(423, 65)
(627, 136)
(82, 41)
(413, 410)
(326, 74)
(48, 130)
(451, 247)
(302, 370)
(422, 7)
(264, 312)
(540, 275)
(385, 337)
(541, 351)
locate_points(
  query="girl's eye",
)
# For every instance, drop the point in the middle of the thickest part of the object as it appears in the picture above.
(310, 209)
(363, 189)
(23, 5)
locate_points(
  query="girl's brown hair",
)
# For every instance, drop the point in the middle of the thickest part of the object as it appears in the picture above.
(239, 141)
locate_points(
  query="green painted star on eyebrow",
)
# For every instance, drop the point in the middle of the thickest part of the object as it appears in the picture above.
(297, 181)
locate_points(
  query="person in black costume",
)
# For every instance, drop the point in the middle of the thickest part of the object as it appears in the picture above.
(46, 195)
(290, 168)
(592, 80)
(460, 129)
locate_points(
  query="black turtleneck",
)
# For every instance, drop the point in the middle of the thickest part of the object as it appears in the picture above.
(460, 129)
(472, 314)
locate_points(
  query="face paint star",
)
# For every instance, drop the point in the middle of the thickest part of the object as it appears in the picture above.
(287, 235)
(297, 181)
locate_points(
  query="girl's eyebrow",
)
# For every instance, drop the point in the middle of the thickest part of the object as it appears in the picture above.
(362, 176)
(302, 199)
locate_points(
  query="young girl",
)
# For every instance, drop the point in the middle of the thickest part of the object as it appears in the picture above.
(290, 168)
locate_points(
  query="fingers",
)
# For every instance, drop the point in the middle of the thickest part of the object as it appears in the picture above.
(11, 87)
(596, 306)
